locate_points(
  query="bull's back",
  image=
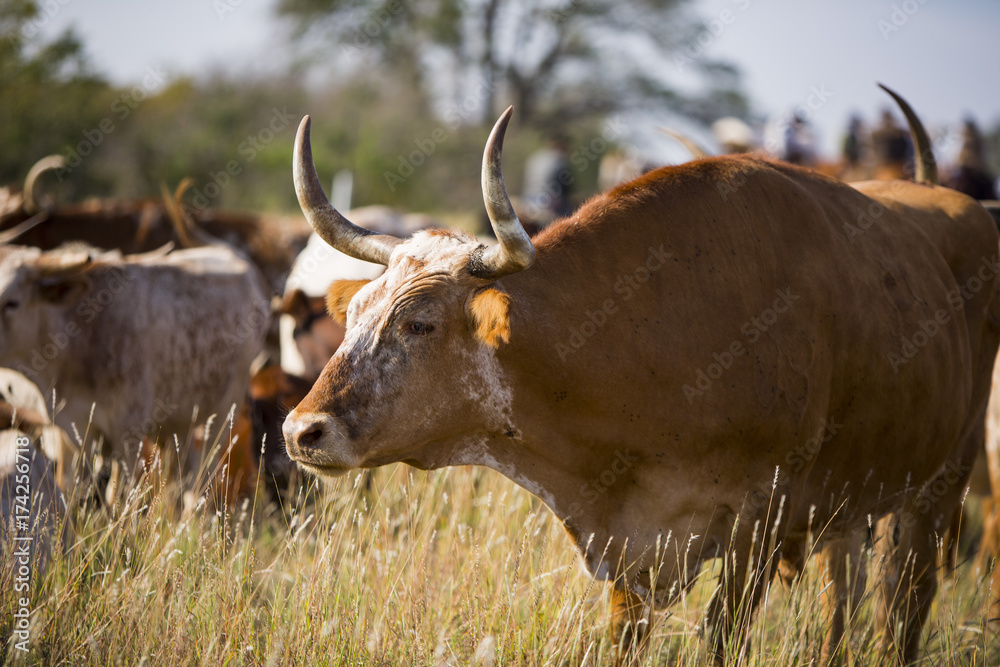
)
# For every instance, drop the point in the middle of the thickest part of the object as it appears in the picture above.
(769, 319)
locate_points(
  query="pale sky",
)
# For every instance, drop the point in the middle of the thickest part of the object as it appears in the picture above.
(943, 56)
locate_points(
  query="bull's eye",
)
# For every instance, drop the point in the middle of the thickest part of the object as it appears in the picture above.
(11, 305)
(420, 328)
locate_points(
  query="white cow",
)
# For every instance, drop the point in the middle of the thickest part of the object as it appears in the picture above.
(132, 344)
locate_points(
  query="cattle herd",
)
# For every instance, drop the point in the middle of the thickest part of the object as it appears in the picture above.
(726, 358)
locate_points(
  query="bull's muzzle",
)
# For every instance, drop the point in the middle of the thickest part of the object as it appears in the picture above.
(311, 440)
(304, 432)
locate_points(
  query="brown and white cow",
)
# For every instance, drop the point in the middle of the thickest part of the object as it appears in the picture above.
(705, 361)
(142, 339)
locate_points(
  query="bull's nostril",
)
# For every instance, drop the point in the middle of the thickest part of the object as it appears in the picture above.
(311, 436)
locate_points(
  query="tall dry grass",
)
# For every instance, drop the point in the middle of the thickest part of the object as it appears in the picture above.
(452, 567)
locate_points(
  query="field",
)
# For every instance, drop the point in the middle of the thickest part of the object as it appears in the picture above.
(452, 567)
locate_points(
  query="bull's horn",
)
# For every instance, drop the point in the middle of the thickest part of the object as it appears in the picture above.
(59, 263)
(30, 181)
(155, 253)
(10, 234)
(175, 212)
(514, 251)
(697, 151)
(331, 226)
(926, 169)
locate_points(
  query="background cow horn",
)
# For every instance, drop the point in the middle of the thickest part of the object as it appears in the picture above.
(61, 263)
(331, 226)
(188, 232)
(696, 150)
(9, 235)
(926, 170)
(31, 204)
(156, 253)
(514, 251)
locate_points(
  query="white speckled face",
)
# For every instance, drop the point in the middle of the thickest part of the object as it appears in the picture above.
(411, 380)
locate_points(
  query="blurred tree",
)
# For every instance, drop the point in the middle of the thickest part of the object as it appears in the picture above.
(50, 95)
(558, 61)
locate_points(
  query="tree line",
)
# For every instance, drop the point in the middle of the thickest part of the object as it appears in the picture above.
(411, 134)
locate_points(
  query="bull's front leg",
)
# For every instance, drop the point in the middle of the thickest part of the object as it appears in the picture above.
(746, 573)
(631, 625)
(843, 585)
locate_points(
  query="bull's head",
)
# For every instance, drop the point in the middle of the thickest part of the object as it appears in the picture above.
(36, 289)
(417, 371)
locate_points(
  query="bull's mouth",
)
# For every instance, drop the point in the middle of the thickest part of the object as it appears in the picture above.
(316, 444)
(323, 470)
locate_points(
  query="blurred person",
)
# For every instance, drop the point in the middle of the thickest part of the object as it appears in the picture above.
(972, 175)
(734, 135)
(618, 166)
(790, 138)
(892, 148)
(855, 151)
(800, 142)
(547, 182)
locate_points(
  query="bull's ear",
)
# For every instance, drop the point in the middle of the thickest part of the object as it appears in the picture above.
(339, 296)
(489, 312)
(63, 289)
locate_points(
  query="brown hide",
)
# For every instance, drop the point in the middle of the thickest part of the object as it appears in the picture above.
(690, 352)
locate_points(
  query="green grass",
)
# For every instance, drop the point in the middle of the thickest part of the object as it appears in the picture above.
(452, 567)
